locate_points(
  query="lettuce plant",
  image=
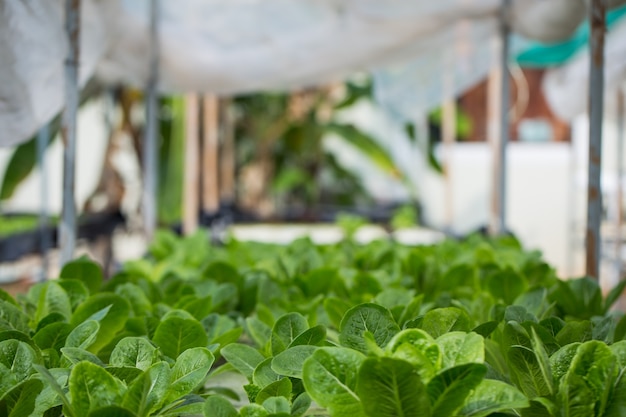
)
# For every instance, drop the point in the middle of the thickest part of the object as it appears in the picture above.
(476, 328)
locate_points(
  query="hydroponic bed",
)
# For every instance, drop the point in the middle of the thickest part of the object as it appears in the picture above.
(472, 328)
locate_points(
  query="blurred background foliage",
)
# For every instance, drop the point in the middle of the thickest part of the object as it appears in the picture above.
(283, 167)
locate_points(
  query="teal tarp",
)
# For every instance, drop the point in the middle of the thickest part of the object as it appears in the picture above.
(549, 55)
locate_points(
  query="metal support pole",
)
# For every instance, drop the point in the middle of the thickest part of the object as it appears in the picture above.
(498, 218)
(150, 146)
(596, 104)
(619, 183)
(572, 236)
(67, 227)
(43, 137)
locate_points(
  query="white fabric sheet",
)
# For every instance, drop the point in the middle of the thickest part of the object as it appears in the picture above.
(239, 46)
(566, 88)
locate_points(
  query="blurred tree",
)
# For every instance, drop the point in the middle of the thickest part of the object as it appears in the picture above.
(283, 164)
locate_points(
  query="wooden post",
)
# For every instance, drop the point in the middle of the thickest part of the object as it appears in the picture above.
(67, 227)
(191, 187)
(210, 156)
(596, 110)
(227, 156)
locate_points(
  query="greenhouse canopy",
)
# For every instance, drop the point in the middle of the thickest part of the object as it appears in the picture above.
(541, 55)
(566, 86)
(444, 73)
(236, 46)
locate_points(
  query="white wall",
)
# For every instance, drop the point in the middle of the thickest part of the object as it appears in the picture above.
(537, 200)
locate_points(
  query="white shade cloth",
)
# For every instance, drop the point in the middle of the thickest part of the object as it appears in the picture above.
(236, 46)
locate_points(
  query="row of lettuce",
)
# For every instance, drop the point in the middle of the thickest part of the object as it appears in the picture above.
(462, 328)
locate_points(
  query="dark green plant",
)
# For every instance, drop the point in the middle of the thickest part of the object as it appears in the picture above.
(404, 217)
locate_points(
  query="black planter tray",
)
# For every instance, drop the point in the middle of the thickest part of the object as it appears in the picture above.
(90, 228)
